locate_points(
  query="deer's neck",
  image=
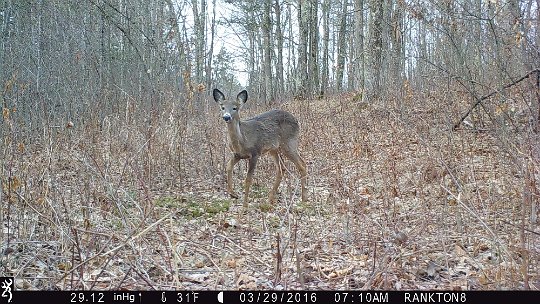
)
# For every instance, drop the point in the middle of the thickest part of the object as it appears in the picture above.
(236, 136)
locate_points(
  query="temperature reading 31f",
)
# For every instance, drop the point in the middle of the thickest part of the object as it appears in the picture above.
(187, 297)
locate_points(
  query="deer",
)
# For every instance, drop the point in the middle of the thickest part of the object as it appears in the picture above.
(274, 132)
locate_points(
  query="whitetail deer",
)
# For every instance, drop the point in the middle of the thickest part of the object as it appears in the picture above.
(275, 132)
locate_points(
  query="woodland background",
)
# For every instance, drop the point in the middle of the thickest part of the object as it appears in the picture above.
(419, 124)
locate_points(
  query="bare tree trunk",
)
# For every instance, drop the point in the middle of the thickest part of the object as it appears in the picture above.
(291, 84)
(267, 49)
(252, 76)
(537, 31)
(350, 66)
(359, 58)
(210, 54)
(278, 87)
(396, 35)
(527, 15)
(375, 48)
(479, 38)
(302, 76)
(325, 41)
(342, 47)
(313, 63)
(260, 67)
(515, 37)
(537, 60)
(179, 41)
(199, 19)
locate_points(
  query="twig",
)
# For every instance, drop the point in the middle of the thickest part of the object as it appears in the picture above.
(244, 250)
(277, 277)
(480, 99)
(143, 277)
(482, 222)
(297, 258)
(117, 247)
(514, 225)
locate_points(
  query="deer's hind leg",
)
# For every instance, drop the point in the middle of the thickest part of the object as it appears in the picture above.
(291, 152)
(279, 175)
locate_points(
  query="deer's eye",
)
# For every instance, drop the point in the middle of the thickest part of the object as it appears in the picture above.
(222, 108)
(234, 109)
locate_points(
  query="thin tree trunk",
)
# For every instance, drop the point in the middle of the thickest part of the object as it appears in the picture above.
(302, 75)
(313, 61)
(397, 46)
(210, 54)
(350, 66)
(325, 41)
(291, 54)
(252, 78)
(342, 47)
(359, 45)
(267, 49)
(200, 38)
(278, 88)
(375, 47)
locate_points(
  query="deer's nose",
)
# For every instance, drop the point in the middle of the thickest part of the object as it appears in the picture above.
(227, 117)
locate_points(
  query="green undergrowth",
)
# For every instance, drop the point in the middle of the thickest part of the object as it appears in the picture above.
(194, 207)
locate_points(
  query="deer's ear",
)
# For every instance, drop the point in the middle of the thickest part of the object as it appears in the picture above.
(218, 96)
(242, 96)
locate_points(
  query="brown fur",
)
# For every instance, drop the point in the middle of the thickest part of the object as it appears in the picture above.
(275, 132)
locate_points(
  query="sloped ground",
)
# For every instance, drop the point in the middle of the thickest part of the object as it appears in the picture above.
(397, 201)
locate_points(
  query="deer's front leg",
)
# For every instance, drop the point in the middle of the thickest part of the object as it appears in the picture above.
(249, 178)
(230, 166)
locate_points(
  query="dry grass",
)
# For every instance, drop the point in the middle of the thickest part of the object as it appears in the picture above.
(397, 201)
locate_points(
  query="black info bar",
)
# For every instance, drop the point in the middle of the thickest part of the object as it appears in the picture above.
(240, 297)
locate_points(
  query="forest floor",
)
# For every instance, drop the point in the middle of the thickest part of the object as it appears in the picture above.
(397, 200)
